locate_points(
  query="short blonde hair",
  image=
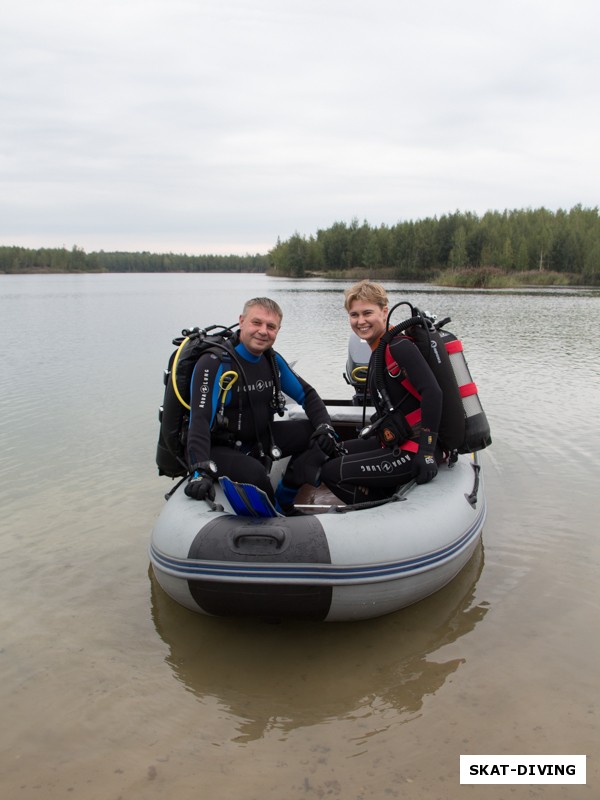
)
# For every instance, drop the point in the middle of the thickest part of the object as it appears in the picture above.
(368, 292)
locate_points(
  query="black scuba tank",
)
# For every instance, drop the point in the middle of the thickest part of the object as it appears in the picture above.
(464, 427)
(174, 414)
(452, 422)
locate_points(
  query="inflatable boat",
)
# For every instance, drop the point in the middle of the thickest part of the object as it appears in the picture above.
(334, 562)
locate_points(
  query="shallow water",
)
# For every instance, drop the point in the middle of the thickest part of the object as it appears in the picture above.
(110, 690)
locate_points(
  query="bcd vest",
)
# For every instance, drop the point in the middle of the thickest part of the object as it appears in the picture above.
(174, 414)
(463, 427)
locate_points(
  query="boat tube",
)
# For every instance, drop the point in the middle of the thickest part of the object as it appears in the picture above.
(334, 562)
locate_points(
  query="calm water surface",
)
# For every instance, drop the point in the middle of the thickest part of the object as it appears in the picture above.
(109, 690)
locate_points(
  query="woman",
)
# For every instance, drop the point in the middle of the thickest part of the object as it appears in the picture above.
(374, 467)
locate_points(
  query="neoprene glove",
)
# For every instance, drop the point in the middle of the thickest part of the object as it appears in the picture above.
(326, 438)
(200, 486)
(425, 463)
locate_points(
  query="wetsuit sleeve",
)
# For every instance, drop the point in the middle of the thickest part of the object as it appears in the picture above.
(303, 393)
(204, 398)
(408, 356)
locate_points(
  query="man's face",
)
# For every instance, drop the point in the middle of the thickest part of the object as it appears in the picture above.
(258, 329)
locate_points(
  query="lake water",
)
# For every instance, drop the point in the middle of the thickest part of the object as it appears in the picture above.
(109, 690)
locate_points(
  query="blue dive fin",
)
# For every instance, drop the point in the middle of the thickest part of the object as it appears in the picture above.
(247, 500)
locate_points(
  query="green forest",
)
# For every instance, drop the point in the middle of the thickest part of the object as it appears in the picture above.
(497, 249)
(459, 249)
(21, 259)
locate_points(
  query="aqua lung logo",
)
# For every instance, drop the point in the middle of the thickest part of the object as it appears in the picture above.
(386, 466)
(204, 389)
(259, 386)
(435, 352)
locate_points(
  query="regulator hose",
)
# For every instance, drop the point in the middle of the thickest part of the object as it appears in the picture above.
(359, 374)
(174, 376)
(379, 358)
(196, 333)
(278, 397)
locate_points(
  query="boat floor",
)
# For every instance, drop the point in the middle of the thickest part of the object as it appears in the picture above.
(316, 500)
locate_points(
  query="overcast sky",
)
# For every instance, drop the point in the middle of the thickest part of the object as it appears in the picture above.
(216, 126)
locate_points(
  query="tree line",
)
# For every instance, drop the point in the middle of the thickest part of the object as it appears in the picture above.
(22, 259)
(513, 241)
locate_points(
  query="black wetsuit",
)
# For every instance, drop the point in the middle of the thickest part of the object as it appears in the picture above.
(369, 470)
(238, 444)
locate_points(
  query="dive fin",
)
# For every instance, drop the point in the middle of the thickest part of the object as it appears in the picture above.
(237, 499)
(247, 500)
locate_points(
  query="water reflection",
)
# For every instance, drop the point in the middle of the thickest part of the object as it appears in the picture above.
(337, 286)
(282, 677)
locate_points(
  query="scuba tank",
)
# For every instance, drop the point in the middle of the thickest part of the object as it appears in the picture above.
(477, 430)
(174, 414)
(463, 427)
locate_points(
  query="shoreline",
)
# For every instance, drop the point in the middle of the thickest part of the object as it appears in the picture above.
(483, 278)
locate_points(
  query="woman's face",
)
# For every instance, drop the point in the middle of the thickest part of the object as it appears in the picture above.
(368, 320)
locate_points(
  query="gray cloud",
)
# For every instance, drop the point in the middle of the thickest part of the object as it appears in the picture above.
(202, 126)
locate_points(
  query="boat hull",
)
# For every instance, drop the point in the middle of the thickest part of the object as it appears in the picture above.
(330, 566)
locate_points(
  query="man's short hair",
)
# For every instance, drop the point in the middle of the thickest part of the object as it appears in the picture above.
(263, 302)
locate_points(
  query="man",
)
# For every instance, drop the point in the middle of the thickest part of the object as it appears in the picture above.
(233, 402)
